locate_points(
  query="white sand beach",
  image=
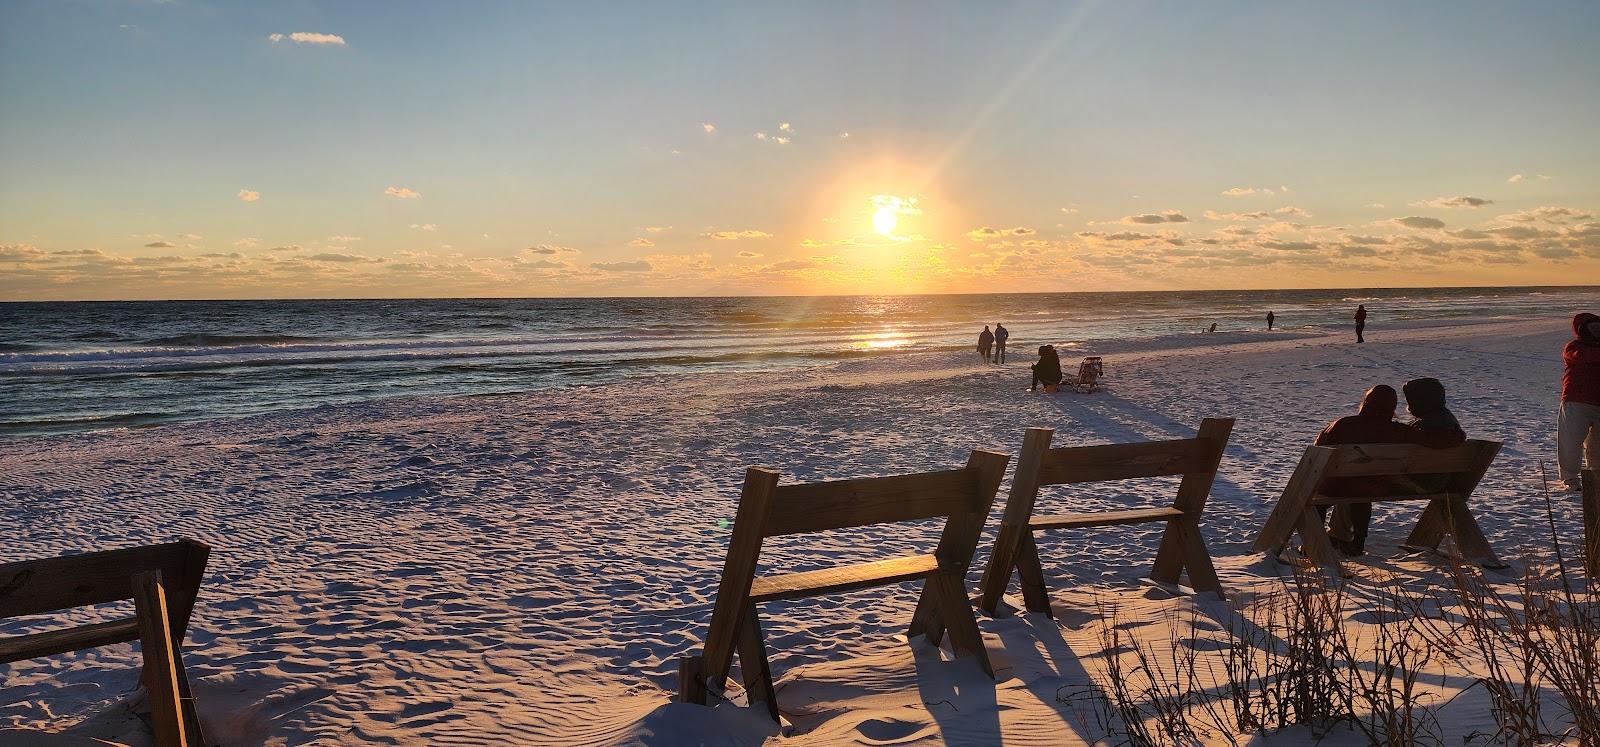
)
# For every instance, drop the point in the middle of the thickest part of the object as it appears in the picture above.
(526, 569)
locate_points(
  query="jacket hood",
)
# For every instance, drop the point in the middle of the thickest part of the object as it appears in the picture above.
(1577, 326)
(1424, 396)
(1379, 402)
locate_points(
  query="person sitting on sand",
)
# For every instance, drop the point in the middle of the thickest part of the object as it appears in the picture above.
(1048, 370)
(985, 341)
(1373, 423)
(1578, 420)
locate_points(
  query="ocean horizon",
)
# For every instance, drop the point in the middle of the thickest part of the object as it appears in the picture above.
(71, 366)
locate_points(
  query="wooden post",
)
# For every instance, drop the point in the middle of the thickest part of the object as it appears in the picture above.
(1591, 522)
(1014, 524)
(753, 663)
(738, 573)
(161, 672)
(960, 538)
(1184, 547)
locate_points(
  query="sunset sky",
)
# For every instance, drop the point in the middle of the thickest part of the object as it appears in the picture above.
(341, 149)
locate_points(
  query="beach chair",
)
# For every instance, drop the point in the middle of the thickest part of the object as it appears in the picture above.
(1182, 546)
(1090, 371)
(766, 509)
(1460, 468)
(162, 581)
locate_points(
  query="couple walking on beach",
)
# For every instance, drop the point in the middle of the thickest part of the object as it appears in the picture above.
(992, 345)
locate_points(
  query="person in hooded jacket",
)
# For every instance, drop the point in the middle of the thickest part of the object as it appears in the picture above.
(1578, 424)
(985, 342)
(1373, 423)
(1048, 370)
(1425, 401)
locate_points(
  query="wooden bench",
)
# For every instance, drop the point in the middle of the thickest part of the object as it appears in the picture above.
(766, 509)
(1459, 468)
(1182, 546)
(162, 581)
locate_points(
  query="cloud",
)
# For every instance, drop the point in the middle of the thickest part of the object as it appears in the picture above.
(986, 232)
(19, 252)
(1547, 214)
(160, 245)
(548, 249)
(287, 248)
(1247, 191)
(1519, 178)
(1170, 216)
(541, 264)
(429, 227)
(1289, 246)
(1417, 221)
(736, 235)
(641, 242)
(639, 266)
(749, 254)
(342, 258)
(248, 195)
(1256, 215)
(1453, 202)
(1294, 211)
(190, 236)
(248, 242)
(774, 139)
(658, 229)
(1069, 210)
(708, 127)
(308, 37)
(343, 239)
(402, 193)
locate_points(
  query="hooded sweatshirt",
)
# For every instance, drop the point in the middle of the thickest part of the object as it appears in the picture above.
(1580, 377)
(1425, 400)
(1374, 424)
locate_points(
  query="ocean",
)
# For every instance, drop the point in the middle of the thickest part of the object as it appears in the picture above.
(79, 366)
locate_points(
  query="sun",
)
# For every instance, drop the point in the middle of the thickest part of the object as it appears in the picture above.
(885, 219)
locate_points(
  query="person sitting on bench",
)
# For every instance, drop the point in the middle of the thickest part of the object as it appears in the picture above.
(1048, 370)
(1374, 423)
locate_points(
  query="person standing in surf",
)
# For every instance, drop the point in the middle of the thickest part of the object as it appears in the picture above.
(1000, 335)
(985, 341)
(1361, 322)
(1270, 319)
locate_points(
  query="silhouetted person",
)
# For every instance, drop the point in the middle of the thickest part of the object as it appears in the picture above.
(1361, 321)
(1047, 371)
(985, 341)
(1578, 424)
(1212, 328)
(1270, 319)
(1000, 335)
(1373, 424)
(1425, 402)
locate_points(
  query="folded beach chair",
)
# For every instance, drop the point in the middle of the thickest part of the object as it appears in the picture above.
(162, 581)
(1090, 371)
(766, 509)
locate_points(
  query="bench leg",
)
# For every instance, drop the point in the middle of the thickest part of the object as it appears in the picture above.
(160, 670)
(1314, 537)
(1430, 527)
(965, 638)
(926, 622)
(1197, 559)
(1469, 536)
(1169, 555)
(997, 573)
(691, 688)
(1034, 593)
(753, 663)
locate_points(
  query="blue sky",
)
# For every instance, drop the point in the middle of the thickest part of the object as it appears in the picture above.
(214, 150)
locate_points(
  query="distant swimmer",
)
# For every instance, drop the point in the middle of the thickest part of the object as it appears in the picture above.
(1270, 319)
(1361, 322)
(1000, 335)
(985, 341)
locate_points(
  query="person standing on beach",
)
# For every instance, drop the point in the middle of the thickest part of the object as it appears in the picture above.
(1578, 422)
(1270, 319)
(1000, 335)
(985, 341)
(1373, 423)
(1361, 321)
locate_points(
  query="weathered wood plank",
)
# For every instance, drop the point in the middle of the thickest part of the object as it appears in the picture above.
(842, 504)
(1014, 523)
(48, 643)
(1286, 515)
(1367, 460)
(1104, 518)
(1079, 464)
(965, 638)
(843, 578)
(1320, 499)
(32, 587)
(753, 663)
(738, 573)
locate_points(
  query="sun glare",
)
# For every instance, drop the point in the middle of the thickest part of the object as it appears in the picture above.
(887, 210)
(884, 220)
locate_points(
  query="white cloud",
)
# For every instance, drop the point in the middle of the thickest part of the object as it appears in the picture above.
(1417, 221)
(308, 37)
(249, 242)
(1519, 178)
(1294, 211)
(430, 227)
(248, 195)
(658, 229)
(639, 266)
(1170, 216)
(735, 235)
(641, 242)
(785, 127)
(160, 245)
(708, 127)
(402, 193)
(1453, 202)
(343, 239)
(1254, 215)
(749, 254)
(548, 249)
(987, 232)
(1246, 191)
(190, 236)
(342, 258)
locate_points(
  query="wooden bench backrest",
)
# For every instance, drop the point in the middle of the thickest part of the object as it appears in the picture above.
(1075, 464)
(1384, 460)
(844, 504)
(32, 587)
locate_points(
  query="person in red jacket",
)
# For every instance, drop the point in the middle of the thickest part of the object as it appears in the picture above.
(1374, 423)
(1578, 425)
